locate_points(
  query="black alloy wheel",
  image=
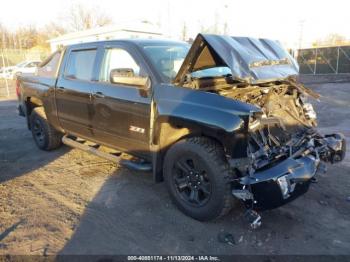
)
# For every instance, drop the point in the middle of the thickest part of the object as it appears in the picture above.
(192, 182)
(44, 134)
(199, 178)
(38, 132)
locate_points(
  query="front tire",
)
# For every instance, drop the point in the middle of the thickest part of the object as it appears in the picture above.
(45, 136)
(198, 178)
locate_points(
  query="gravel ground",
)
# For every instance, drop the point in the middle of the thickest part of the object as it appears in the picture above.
(70, 202)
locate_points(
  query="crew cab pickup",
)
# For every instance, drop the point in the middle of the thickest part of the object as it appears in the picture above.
(224, 120)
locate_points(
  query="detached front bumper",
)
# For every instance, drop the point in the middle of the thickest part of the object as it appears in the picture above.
(282, 183)
(290, 178)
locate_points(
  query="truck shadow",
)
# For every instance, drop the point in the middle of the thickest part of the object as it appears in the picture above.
(7, 231)
(132, 215)
(18, 152)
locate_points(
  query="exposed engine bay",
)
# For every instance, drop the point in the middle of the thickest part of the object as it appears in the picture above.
(285, 128)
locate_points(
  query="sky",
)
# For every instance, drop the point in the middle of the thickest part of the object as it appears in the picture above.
(285, 20)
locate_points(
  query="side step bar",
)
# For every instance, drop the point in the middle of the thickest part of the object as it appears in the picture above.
(138, 166)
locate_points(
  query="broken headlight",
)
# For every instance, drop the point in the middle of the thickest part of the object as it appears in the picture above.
(261, 119)
(284, 185)
(255, 121)
(309, 111)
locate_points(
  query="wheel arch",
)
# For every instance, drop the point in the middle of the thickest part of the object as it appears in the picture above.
(168, 133)
(29, 104)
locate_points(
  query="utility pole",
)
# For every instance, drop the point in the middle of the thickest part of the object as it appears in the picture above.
(226, 16)
(3, 61)
(184, 32)
(216, 23)
(6, 83)
(301, 31)
(169, 19)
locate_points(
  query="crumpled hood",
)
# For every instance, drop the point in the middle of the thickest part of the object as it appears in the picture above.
(250, 59)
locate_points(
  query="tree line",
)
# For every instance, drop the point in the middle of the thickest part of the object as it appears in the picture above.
(76, 19)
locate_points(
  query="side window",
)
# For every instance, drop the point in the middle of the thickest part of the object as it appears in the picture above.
(32, 64)
(117, 58)
(81, 64)
(50, 66)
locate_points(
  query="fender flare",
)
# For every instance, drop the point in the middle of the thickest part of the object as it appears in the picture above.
(169, 130)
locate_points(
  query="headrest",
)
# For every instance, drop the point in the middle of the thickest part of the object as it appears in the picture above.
(166, 64)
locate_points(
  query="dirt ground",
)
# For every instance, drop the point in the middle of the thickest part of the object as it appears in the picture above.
(69, 202)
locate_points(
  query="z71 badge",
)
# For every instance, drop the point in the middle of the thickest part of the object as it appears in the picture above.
(137, 129)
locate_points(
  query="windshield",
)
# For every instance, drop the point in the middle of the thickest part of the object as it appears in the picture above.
(212, 72)
(167, 58)
(21, 64)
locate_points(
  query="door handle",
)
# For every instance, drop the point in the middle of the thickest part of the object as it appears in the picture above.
(60, 89)
(98, 95)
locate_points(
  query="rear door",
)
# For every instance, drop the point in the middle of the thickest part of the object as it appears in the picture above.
(121, 112)
(47, 76)
(73, 91)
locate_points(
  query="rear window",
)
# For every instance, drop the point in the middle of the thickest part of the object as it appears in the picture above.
(81, 64)
(50, 66)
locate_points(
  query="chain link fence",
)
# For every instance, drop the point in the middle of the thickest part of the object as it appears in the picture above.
(324, 60)
(7, 88)
(10, 57)
(312, 61)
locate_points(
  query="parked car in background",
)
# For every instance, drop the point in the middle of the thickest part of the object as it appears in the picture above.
(27, 67)
(6, 72)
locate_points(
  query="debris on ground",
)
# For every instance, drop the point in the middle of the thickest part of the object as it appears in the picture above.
(226, 238)
(323, 203)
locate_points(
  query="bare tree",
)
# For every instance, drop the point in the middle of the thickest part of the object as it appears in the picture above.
(53, 30)
(335, 39)
(81, 18)
(214, 28)
(331, 40)
(3, 36)
(28, 36)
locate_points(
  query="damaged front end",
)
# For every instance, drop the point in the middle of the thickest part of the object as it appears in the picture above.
(285, 151)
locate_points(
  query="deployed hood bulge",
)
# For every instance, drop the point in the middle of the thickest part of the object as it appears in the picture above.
(250, 59)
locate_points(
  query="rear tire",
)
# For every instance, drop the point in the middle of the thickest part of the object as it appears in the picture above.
(198, 178)
(45, 136)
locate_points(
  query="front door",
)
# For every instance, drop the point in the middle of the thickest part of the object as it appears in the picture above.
(121, 112)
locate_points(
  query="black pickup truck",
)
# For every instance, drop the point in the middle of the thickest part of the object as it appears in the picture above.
(222, 120)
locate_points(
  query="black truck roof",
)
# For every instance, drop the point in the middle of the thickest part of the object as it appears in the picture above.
(134, 41)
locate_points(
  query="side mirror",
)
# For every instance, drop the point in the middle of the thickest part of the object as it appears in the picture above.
(126, 76)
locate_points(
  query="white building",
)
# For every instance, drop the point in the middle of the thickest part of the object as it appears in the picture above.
(141, 30)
